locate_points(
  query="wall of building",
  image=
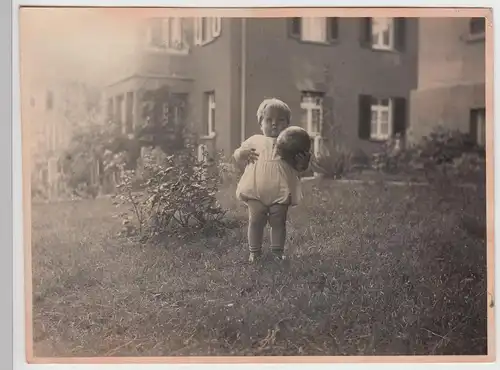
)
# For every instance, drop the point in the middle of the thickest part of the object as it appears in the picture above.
(451, 77)
(215, 68)
(281, 66)
(447, 106)
(447, 54)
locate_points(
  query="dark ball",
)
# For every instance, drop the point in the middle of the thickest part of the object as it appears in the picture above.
(292, 141)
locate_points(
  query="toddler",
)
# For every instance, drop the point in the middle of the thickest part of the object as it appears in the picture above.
(269, 185)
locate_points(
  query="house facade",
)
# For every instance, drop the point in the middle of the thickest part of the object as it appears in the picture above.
(52, 110)
(345, 79)
(451, 78)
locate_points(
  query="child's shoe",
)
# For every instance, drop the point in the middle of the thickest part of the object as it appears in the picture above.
(278, 254)
(254, 256)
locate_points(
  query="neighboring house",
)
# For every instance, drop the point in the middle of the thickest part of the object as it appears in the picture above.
(355, 72)
(47, 134)
(160, 56)
(47, 107)
(451, 78)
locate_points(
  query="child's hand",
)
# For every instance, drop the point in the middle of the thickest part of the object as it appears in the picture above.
(302, 160)
(249, 155)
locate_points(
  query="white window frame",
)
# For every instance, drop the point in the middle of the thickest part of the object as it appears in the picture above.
(379, 109)
(314, 29)
(378, 35)
(214, 30)
(172, 35)
(202, 149)
(211, 111)
(481, 128)
(310, 104)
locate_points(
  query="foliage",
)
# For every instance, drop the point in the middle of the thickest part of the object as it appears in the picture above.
(333, 162)
(176, 196)
(164, 120)
(82, 112)
(105, 145)
(444, 155)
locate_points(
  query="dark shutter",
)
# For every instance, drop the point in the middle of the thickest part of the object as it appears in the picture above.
(399, 116)
(294, 26)
(333, 28)
(365, 37)
(473, 125)
(400, 33)
(365, 116)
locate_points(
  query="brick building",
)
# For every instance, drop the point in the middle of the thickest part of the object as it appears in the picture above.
(357, 73)
(451, 77)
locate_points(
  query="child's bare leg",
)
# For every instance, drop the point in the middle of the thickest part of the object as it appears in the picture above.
(277, 221)
(257, 220)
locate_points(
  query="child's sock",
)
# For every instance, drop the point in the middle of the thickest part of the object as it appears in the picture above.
(254, 256)
(278, 252)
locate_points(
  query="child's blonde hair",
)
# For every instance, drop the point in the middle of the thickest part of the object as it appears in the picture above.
(273, 103)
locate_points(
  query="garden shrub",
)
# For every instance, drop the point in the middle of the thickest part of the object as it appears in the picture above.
(333, 162)
(442, 156)
(177, 196)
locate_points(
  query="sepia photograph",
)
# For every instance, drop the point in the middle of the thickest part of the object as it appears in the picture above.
(148, 234)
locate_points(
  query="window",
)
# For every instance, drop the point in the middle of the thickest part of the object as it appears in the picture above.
(206, 29)
(111, 108)
(477, 26)
(49, 102)
(478, 126)
(314, 29)
(381, 118)
(210, 114)
(383, 33)
(312, 112)
(129, 112)
(119, 119)
(202, 152)
(166, 34)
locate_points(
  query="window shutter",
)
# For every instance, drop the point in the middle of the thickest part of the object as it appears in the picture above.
(473, 125)
(365, 39)
(294, 27)
(333, 28)
(216, 26)
(399, 116)
(400, 33)
(365, 116)
(197, 31)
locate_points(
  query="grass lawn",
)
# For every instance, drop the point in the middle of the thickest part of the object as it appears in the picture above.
(372, 270)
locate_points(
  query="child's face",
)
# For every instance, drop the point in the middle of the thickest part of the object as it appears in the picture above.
(273, 122)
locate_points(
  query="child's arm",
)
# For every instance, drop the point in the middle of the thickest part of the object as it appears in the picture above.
(245, 153)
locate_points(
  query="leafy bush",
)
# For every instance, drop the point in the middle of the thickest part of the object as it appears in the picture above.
(333, 162)
(177, 197)
(443, 156)
(392, 158)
